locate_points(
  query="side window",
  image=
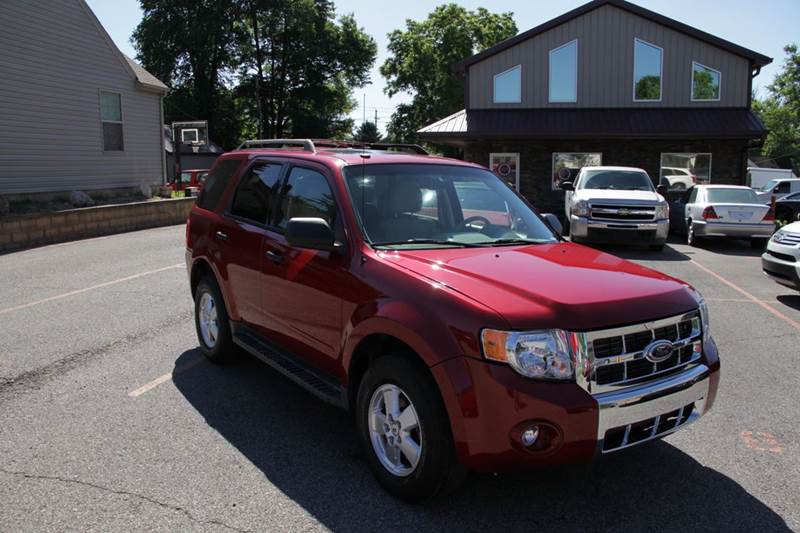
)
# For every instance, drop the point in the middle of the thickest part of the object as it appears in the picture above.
(783, 187)
(693, 196)
(256, 193)
(307, 194)
(216, 183)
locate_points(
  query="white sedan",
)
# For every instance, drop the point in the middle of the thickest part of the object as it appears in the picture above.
(728, 211)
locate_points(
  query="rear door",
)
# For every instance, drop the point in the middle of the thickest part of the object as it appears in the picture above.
(242, 232)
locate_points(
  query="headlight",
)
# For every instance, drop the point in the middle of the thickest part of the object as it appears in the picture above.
(704, 320)
(662, 211)
(534, 354)
(778, 235)
(580, 208)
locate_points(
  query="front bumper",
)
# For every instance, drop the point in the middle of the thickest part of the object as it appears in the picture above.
(585, 228)
(781, 270)
(733, 229)
(488, 404)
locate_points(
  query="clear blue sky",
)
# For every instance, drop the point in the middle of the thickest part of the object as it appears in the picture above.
(764, 26)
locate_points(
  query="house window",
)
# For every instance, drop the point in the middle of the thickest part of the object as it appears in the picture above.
(706, 82)
(567, 164)
(564, 73)
(111, 119)
(682, 171)
(191, 135)
(506, 167)
(647, 63)
(508, 86)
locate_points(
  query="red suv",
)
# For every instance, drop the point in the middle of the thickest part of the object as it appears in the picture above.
(435, 304)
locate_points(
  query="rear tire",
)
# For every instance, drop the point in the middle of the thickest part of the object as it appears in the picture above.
(409, 448)
(212, 323)
(691, 239)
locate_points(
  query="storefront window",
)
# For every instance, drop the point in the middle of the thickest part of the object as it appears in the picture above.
(567, 165)
(506, 167)
(682, 171)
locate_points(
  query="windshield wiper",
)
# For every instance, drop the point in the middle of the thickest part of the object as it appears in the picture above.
(514, 241)
(428, 241)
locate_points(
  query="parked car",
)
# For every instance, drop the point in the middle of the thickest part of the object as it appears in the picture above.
(788, 208)
(616, 204)
(727, 211)
(443, 311)
(777, 189)
(781, 260)
(191, 178)
(757, 177)
(677, 179)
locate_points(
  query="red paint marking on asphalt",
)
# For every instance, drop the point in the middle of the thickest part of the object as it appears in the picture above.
(163, 379)
(761, 441)
(794, 323)
(87, 289)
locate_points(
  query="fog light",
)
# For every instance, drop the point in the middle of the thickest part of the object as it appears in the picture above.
(530, 435)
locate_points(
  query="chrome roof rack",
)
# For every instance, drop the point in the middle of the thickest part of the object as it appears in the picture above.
(306, 144)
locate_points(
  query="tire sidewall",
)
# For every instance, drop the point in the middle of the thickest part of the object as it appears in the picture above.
(221, 350)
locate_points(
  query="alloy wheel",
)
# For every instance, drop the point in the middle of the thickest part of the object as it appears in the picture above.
(209, 324)
(395, 430)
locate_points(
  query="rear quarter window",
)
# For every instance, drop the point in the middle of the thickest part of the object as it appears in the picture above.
(216, 182)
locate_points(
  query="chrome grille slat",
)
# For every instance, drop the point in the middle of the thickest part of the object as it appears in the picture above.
(622, 212)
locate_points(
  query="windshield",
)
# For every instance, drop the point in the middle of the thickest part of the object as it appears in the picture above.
(769, 185)
(732, 196)
(625, 180)
(436, 206)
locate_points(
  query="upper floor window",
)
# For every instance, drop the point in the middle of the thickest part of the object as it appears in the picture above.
(111, 119)
(508, 86)
(705, 82)
(647, 63)
(564, 73)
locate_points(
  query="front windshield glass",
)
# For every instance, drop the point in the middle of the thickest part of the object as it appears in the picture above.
(769, 185)
(437, 206)
(625, 180)
(732, 196)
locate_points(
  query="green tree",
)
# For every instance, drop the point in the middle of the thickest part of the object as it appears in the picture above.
(368, 133)
(705, 86)
(298, 66)
(422, 57)
(190, 46)
(648, 88)
(780, 112)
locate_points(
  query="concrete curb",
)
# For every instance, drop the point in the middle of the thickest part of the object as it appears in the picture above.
(25, 231)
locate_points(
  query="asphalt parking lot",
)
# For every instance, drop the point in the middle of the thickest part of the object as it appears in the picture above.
(110, 420)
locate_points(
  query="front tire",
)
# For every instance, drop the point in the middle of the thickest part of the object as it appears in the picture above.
(404, 430)
(212, 323)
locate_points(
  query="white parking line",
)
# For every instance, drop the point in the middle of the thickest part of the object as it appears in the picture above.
(87, 289)
(163, 379)
(795, 324)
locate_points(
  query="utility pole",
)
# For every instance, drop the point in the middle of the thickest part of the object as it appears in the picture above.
(376, 118)
(364, 109)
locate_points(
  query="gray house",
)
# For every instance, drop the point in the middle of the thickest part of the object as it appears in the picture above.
(607, 83)
(75, 113)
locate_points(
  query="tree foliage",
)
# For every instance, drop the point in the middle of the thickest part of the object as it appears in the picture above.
(368, 133)
(648, 88)
(256, 67)
(422, 57)
(780, 112)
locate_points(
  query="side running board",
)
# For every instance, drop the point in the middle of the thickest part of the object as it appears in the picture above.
(320, 385)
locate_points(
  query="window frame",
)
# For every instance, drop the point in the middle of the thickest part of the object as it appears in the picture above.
(515, 155)
(494, 86)
(550, 73)
(691, 84)
(244, 174)
(121, 122)
(660, 71)
(553, 164)
(710, 163)
(320, 169)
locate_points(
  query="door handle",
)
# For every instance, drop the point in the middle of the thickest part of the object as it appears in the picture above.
(222, 236)
(275, 257)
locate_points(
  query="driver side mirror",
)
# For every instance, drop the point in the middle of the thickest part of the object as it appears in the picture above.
(662, 190)
(554, 223)
(312, 233)
(568, 186)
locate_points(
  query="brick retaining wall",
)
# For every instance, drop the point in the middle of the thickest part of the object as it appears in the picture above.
(24, 231)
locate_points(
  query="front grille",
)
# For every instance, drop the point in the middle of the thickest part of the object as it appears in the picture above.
(782, 257)
(644, 430)
(790, 239)
(617, 359)
(622, 212)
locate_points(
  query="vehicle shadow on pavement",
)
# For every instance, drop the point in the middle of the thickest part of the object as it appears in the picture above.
(308, 450)
(790, 300)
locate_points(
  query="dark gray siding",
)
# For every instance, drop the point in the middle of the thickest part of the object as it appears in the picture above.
(605, 64)
(54, 60)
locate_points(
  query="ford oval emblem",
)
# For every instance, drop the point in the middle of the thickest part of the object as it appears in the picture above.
(658, 351)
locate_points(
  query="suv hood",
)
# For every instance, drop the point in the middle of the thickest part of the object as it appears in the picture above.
(561, 285)
(617, 196)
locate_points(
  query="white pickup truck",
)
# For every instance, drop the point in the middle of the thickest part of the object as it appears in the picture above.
(616, 205)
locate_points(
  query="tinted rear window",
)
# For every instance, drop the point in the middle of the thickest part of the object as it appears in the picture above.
(732, 196)
(216, 183)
